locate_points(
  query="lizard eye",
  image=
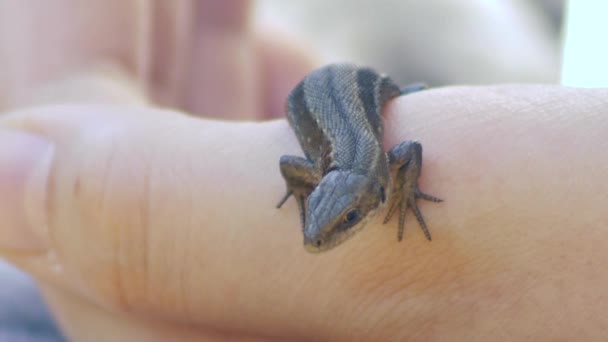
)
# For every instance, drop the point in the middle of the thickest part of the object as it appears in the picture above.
(351, 216)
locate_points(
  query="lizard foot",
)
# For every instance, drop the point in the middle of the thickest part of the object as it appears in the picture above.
(300, 177)
(404, 201)
(406, 157)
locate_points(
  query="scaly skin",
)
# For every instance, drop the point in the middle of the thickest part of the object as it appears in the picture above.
(345, 179)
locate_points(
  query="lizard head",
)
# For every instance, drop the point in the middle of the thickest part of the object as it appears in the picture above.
(338, 207)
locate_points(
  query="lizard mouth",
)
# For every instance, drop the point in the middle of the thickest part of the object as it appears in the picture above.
(322, 244)
(312, 248)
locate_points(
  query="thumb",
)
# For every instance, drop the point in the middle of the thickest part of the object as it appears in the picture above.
(134, 207)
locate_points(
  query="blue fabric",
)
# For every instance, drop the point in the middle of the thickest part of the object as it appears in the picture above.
(23, 314)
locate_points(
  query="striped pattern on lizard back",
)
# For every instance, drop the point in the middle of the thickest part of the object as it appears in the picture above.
(347, 102)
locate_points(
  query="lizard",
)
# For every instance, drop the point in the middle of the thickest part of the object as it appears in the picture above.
(345, 177)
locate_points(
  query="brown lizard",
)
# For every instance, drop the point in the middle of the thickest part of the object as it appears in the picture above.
(336, 114)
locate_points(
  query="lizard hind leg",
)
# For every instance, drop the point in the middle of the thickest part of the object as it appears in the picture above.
(406, 157)
(301, 177)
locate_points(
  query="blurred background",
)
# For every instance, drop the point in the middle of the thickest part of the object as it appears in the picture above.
(439, 42)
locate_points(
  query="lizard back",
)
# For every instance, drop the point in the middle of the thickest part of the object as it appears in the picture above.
(336, 114)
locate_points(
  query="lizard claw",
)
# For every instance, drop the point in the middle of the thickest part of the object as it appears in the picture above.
(403, 201)
(391, 210)
(301, 199)
(427, 197)
(284, 199)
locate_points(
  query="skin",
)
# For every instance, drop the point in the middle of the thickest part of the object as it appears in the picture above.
(518, 250)
(506, 247)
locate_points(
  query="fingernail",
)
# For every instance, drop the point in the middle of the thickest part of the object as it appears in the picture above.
(25, 163)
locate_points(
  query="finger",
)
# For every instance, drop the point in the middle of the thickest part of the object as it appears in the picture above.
(46, 40)
(232, 72)
(220, 69)
(520, 170)
(108, 85)
(283, 65)
(141, 215)
(174, 217)
(82, 320)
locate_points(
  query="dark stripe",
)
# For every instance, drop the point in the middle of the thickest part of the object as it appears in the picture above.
(366, 81)
(387, 90)
(296, 102)
(297, 110)
(299, 117)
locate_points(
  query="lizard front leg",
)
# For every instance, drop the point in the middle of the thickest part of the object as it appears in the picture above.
(301, 177)
(406, 157)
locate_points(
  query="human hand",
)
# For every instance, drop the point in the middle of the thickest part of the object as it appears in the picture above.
(166, 227)
(143, 224)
